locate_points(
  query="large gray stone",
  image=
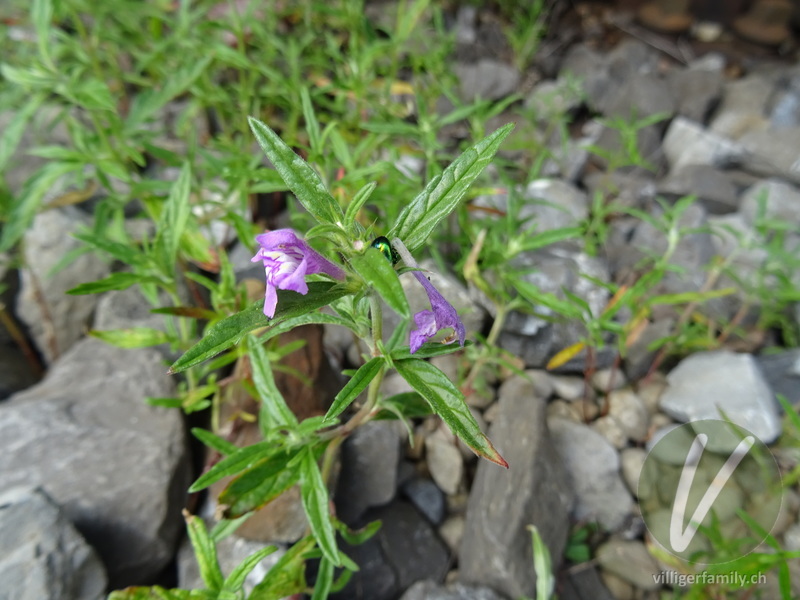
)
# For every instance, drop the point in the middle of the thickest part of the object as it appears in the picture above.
(707, 384)
(429, 590)
(405, 550)
(116, 465)
(687, 142)
(496, 547)
(487, 79)
(42, 556)
(713, 188)
(593, 468)
(781, 202)
(641, 95)
(55, 319)
(782, 372)
(698, 88)
(369, 470)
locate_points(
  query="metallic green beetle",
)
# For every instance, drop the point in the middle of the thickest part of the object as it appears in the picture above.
(386, 248)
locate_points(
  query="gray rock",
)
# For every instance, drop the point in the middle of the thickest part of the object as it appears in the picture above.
(553, 98)
(428, 590)
(698, 88)
(641, 95)
(605, 380)
(781, 202)
(406, 549)
(688, 143)
(496, 548)
(55, 319)
(631, 561)
(640, 357)
(590, 68)
(42, 556)
(116, 465)
(584, 583)
(488, 79)
(626, 189)
(632, 460)
(444, 461)
(772, 151)
(713, 188)
(743, 104)
(592, 465)
(568, 387)
(613, 154)
(123, 309)
(369, 470)
(610, 429)
(426, 496)
(782, 372)
(707, 383)
(452, 532)
(783, 107)
(628, 410)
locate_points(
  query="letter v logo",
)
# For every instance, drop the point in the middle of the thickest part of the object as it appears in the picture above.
(679, 538)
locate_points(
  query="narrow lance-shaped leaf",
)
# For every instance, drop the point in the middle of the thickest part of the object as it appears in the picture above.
(357, 384)
(225, 333)
(174, 217)
(315, 501)
(381, 276)
(443, 193)
(205, 552)
(298, 175)
(273, 407)
(447, 402)
(235, 581)
(233, 464)
(134, 337)
(259, 484)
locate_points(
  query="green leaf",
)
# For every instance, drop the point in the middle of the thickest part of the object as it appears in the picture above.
(545, 582)
(25, 207)
(135, 337)
(13, 132)
(442, 194)
(260, 484)
(298, 175)
(115, 281)
(315, 502)
(225, 333)
(551, 236)
(429, 350)
(322, 587)
(358, 537)
(174, 217)
(205, 552)
(156, 592)
(407, 405)
(41, 16)
(235, 581)
(242, 459)
(447, 402)
(287, 577)
(358, 202)
(381, 276)
(214, 442)
(315, 318)
(126, 253)
(357, 384)
(274, 411)
(312, 125)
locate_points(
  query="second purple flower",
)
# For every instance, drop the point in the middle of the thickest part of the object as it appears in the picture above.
(441, 316)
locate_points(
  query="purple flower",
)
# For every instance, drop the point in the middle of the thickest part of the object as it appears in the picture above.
(287, 260)
(429, 322)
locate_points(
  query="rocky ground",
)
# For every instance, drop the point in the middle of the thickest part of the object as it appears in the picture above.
(94, 479)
